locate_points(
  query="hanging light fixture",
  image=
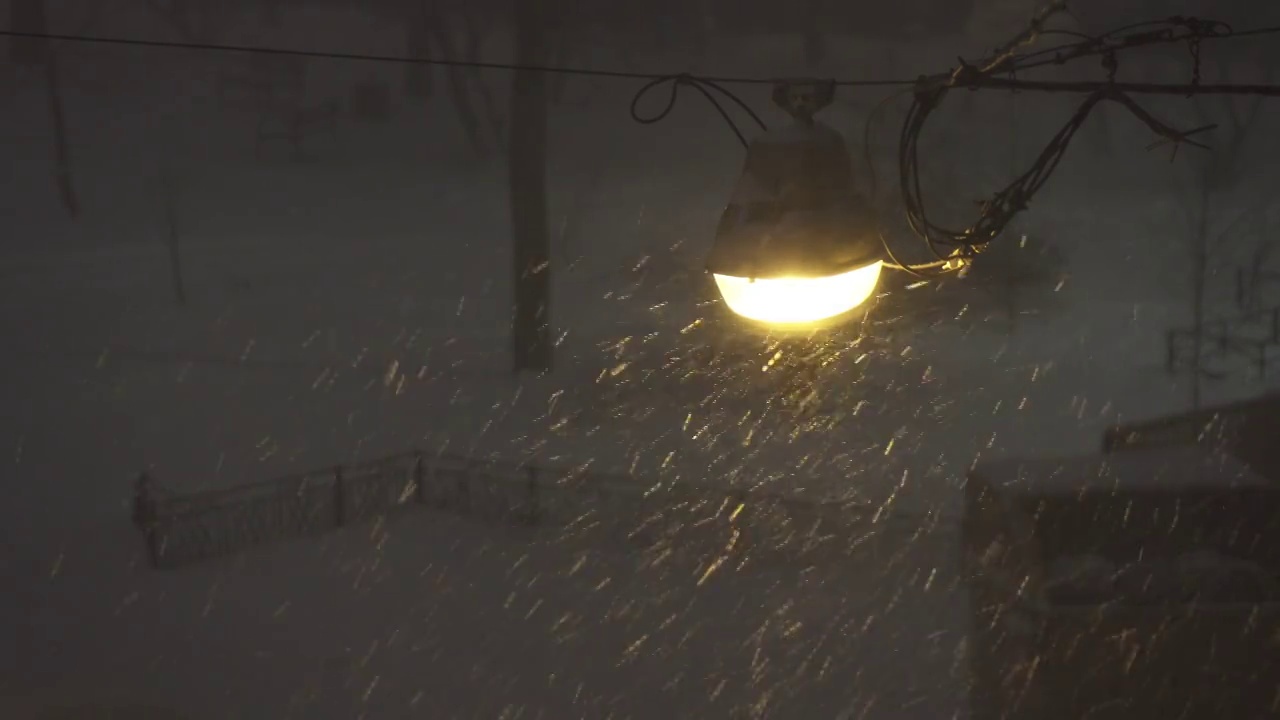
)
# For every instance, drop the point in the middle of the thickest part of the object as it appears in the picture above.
(795, 244)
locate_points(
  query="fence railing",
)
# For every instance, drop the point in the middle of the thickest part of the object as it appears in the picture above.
(185, 529)
(1190, 429)
(1219, 425)
(1251, 282)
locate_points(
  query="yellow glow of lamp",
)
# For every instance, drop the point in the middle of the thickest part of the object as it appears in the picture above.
(796, 300)
(795, 245)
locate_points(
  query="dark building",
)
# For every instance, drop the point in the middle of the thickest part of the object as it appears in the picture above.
(1142, 582)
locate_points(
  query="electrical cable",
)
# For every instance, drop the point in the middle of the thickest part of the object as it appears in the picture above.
(1191, 29)
(951, 247)
(703, 86)
(998, 211)
(367, 57)
(1086, 41)
(915, 270)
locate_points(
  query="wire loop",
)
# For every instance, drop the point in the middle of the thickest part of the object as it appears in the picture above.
(703, 86)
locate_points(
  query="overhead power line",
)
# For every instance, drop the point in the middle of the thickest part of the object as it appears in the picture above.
(400, 60)
(954, 247)
(1183, 89)
(1085, 45)
(1004, 70)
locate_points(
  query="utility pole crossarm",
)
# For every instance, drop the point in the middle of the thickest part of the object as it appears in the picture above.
(1063, 86)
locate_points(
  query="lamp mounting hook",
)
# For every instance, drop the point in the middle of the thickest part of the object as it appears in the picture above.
(802, 98)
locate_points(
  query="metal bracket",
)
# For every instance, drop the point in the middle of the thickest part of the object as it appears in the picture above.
(802, 98)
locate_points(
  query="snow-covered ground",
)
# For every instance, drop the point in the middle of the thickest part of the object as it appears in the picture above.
(357, 304)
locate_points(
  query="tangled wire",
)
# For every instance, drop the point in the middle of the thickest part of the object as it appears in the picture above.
(954, 248)
(704, 86)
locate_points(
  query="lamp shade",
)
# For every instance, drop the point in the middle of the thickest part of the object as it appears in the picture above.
(795, 243)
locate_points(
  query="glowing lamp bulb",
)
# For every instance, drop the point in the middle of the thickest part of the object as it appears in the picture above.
(792, 300)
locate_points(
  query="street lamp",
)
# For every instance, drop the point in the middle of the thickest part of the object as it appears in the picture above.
(795, 244)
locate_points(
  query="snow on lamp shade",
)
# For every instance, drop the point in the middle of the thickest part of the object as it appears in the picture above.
(797, 300)
(795, 244)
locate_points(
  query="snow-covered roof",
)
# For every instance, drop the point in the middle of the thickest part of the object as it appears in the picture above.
(1177, 469)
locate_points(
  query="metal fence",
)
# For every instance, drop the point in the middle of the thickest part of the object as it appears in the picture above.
(180, 530)
(1204, 427)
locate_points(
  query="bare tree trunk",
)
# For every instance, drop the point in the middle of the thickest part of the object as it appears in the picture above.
(1248, 294)
(173, 234)
(815, 47)
(562, 48)
(1220, 172)
(531, 238)
(62, 153)
(193, 20)
(418, 76)
(462, 81)
(28, 16)
(474, 48)
(271, 14)
(1011, 305)
(1199, 286)
(458, 86)
(704, 28)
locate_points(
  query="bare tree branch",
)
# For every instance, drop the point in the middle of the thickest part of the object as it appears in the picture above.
(440, 29)
(90, 16)
(1251, 214)
(474, 47)
(419, 77)
(169, 11)
(462, 81)
(1215, 225)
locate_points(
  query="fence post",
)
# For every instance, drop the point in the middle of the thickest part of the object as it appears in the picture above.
(419, 479)
(463, 487)
(1110, 440)
(146, 516)
(532, 508)
(1170, 354)
(339, 498)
